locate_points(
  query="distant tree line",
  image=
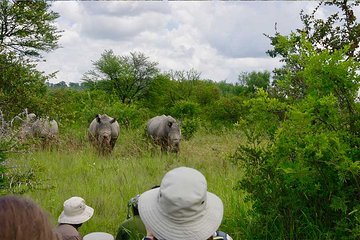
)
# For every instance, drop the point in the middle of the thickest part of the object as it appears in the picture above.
(63, 84)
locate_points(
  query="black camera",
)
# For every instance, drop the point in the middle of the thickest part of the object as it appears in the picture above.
(133, 207)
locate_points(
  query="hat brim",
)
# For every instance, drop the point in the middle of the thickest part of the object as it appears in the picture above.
(98, 236)
(163, 227)
(86, 215)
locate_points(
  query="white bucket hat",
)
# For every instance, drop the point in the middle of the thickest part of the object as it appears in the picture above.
(75, 211)
(98, 236)
(181, 208)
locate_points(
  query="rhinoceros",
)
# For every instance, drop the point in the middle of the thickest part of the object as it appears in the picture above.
(103, 133)
(165, 131)
(26, 130)
(43, 128)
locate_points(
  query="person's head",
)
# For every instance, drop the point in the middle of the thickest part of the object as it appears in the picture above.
(181, 208)
(22, 219)
(75, 212)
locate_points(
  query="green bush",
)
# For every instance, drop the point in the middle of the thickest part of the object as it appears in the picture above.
(189, 127)
(302, 169)
(225, 111)
(184, 109)
(79, 108)
(186, 112)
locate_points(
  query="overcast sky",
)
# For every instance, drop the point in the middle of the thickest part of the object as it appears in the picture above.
(220, 39)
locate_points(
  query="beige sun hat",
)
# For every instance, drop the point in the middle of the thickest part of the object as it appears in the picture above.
(181, 208)
(75, 211)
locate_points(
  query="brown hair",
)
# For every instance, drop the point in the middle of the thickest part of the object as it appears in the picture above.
(22, 219)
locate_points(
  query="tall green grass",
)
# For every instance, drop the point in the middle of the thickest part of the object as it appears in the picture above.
(108, 182)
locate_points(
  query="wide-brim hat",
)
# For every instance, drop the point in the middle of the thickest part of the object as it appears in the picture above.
(181, 208)
(98, 236)
(75, 211)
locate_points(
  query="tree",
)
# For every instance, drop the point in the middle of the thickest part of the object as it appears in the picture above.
(76, 86)
(227, 89)
(160, 96)
(205, 92)
(21, 86)
(301, 160)
(61, 84)
(254, 80)
(129, 77)
(27, 28)
(339, 31)
(185, 83)
(182, 75)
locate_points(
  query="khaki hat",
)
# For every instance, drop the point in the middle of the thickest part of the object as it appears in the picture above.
(181, 208)
(75, 211)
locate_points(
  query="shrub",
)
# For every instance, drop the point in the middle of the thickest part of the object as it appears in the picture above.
(225, 111)
(302, 170)
(189, 127)
(184, 109)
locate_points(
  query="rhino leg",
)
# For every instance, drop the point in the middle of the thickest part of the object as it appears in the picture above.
(164, 145)
(112, 143)
(92, 139)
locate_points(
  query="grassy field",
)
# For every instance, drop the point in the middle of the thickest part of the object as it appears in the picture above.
(107, 183)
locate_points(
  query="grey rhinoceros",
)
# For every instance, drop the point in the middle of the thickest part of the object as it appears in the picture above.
(165, 131)
(42, 128)
(45, 128)
(103, 133)
(26, 129)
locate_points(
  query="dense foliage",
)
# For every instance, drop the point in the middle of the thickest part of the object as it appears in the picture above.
(27, 28)
(302, 155)
(128, 77)
(21, 86)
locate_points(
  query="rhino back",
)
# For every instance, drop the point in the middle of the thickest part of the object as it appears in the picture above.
(42, 127)
(155, 126)
(158, 126)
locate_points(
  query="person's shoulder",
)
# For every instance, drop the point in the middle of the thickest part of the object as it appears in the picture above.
(68, 232)
(67, 227)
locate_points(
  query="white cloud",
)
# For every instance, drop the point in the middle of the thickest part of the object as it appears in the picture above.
(218, 38)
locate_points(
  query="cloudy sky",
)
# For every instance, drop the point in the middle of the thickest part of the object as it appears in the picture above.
(220, 39)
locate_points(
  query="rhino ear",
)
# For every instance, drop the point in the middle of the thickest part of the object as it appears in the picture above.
(113, 120)
(170, 124)
(98, 118)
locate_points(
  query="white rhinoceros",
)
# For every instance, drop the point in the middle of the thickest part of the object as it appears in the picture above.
(34, 127)
(165, 131)
(103, 133)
